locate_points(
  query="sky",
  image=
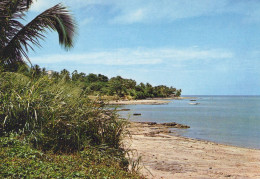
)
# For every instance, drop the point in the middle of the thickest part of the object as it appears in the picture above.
(204, 47)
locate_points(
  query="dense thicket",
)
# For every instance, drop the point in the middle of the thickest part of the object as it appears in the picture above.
(54, 116)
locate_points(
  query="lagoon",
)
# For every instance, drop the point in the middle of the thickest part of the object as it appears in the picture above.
(232, 120)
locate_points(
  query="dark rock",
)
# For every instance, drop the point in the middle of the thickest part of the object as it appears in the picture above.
(175, 125)
(227, 175)
(171, 124)
(123, 110)
(181, 126)
(149, 123)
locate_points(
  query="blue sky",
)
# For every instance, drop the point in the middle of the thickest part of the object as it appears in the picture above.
(209, 47)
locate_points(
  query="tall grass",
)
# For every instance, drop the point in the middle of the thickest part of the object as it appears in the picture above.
(56, 116)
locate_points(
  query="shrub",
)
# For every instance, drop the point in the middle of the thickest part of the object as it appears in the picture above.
(56, 115)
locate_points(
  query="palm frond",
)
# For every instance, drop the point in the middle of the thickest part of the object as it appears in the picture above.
(10, 11)
(56, 18)
(14, 8)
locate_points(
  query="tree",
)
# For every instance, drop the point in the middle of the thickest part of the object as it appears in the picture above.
(92, 78)
(16, 39)
(129, 83)
(178, 93)
(65, 74)
(116, 86)
(36, 71)
(102, 78)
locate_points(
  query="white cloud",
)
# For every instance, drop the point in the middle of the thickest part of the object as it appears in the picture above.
(41, 5)
(167, 9)
(143, 11)
(116, 57)
(135, 16)
(141, 56)
(87, 21)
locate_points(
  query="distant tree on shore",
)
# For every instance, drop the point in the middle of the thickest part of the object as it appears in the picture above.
(94, 84)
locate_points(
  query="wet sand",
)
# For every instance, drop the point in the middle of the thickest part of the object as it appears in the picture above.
(169, 156)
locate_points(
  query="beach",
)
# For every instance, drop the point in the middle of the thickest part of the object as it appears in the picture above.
(171, 156)
(152, 101)
(136, 102)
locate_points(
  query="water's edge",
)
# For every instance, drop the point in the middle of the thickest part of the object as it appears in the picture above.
(227, 120)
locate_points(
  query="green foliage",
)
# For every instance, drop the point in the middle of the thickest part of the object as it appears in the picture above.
(93, 84)
(61, 133)
(19, 160)
(91, 78)
(55, 115)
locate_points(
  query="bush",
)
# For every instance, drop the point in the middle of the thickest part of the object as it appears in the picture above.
(56, 115)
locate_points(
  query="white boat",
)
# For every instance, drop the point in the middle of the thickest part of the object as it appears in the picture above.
(194, 103)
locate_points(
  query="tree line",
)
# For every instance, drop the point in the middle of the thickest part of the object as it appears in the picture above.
(98, 84)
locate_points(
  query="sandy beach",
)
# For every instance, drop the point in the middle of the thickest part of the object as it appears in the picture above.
(135, 102)
(169, 156)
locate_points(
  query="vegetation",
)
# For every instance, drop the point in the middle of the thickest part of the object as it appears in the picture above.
(42, 116)
(101, 85)
(19, 160)
(16, 39)
(49, 128)
(52, 116)
(56, 115)
(119, 87)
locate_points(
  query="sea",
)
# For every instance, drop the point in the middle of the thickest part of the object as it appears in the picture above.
(232, 120)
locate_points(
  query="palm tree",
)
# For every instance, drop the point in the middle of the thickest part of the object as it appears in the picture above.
(16, 39)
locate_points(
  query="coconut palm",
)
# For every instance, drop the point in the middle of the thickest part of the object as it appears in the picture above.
(16, 39)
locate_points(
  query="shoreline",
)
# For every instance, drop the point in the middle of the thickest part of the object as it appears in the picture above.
(149, 101)
(168, 156)
(224, 144)
(137, 102)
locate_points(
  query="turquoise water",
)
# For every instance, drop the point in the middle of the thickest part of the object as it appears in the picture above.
(233, 120)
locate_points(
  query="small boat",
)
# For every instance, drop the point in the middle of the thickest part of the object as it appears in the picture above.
(193, 100)
(194, 103)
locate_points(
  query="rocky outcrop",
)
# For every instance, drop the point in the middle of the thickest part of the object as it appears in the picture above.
(168, 125)
(123, 109)
(175, 125)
